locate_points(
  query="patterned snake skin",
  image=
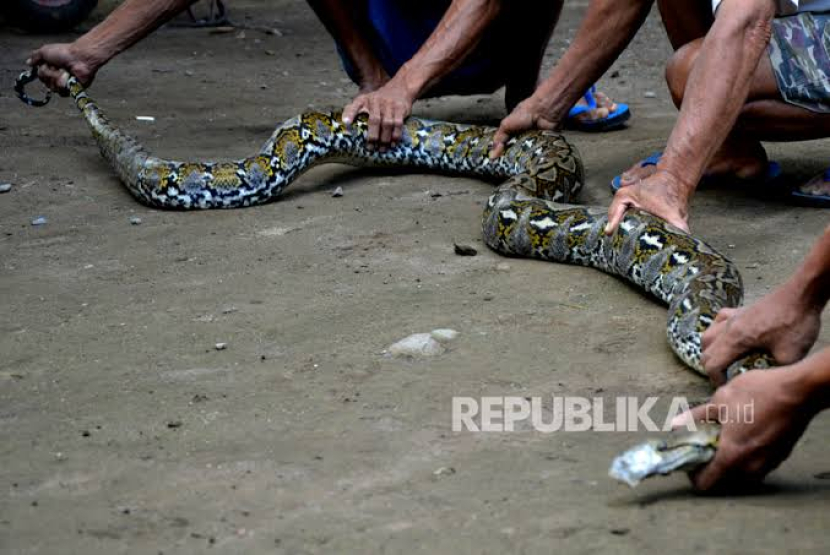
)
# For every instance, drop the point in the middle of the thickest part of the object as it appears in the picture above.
(525, 217)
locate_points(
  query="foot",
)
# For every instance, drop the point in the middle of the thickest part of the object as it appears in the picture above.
(605, 107)
(745, 162)
(817, 186)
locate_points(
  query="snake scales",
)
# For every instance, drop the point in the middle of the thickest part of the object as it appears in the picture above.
(525, 217)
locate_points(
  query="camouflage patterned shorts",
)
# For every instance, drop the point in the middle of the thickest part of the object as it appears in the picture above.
(800, 56)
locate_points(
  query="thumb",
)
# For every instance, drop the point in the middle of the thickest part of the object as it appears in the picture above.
(679, 222)
(616, 212)
(499, 140)
(699, 413)
(354, 108)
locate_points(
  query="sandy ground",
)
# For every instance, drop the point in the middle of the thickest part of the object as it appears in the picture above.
(123, 430)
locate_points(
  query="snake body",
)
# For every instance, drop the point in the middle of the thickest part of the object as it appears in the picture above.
(527, 216)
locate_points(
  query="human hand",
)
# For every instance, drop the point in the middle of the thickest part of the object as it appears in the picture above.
(387, 108)
(762, 416)
(781, 323)
(660, 194)
(55, 60)
(527, 115)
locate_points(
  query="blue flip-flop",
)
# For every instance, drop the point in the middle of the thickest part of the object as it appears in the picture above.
(652, 160)
(817, 201)
(773, 173)
(611, 121)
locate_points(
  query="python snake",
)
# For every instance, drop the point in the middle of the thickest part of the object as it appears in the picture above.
(527, 216)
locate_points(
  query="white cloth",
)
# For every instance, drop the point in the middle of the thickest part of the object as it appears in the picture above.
(789, 7)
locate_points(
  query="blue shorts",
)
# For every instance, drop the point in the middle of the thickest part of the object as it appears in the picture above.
(400, 27)
(800, 56)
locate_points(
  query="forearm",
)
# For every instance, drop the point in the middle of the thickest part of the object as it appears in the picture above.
(589, 57)
(809, 381)
(811, 281)
(347, 22)
(129, 23)
(717, 88)
(457, 35)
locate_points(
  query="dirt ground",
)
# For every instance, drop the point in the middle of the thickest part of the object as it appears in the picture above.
(123, 429)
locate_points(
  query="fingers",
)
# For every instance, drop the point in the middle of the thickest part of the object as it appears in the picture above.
(35, 58)
(708, 477)
(499, 143)
(375, 119)
(397, 128)
(616, 211)
(355, 107)
(386, 120)
(700, 413)
(53, 77)
(720, 352)
(387, 126)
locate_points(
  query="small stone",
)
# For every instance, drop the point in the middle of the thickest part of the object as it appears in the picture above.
(270, 52)
(221, 346)
(444, 335)
(464, 250)
(419, 345)
(620, 531)
(229, 309)
(173, 424)
(444, 471)
(40, 220)
(135, 220)
(503, 267)
(241, 35)
(189, 72)
(5, 187)
(275, 32)
(338, 192)
(650, 94)
(615, 75)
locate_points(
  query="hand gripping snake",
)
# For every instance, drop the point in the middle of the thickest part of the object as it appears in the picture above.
(527, 216)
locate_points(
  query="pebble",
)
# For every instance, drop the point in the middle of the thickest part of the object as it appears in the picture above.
(40, 220)
(338, 192)
(221, 346)
(650, 94)
(503, 267)
(5, 187)
(444, 471)
(464, 250)
(135, 220)
(444, 335)
(419, 345)
(423, 345)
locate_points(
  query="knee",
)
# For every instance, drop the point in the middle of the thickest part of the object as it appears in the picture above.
(678, 69)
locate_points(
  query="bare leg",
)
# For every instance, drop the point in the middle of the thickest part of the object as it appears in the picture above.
(527, 29)
(765, 117)
(686, 20)
(529, 26)
(348, 23)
